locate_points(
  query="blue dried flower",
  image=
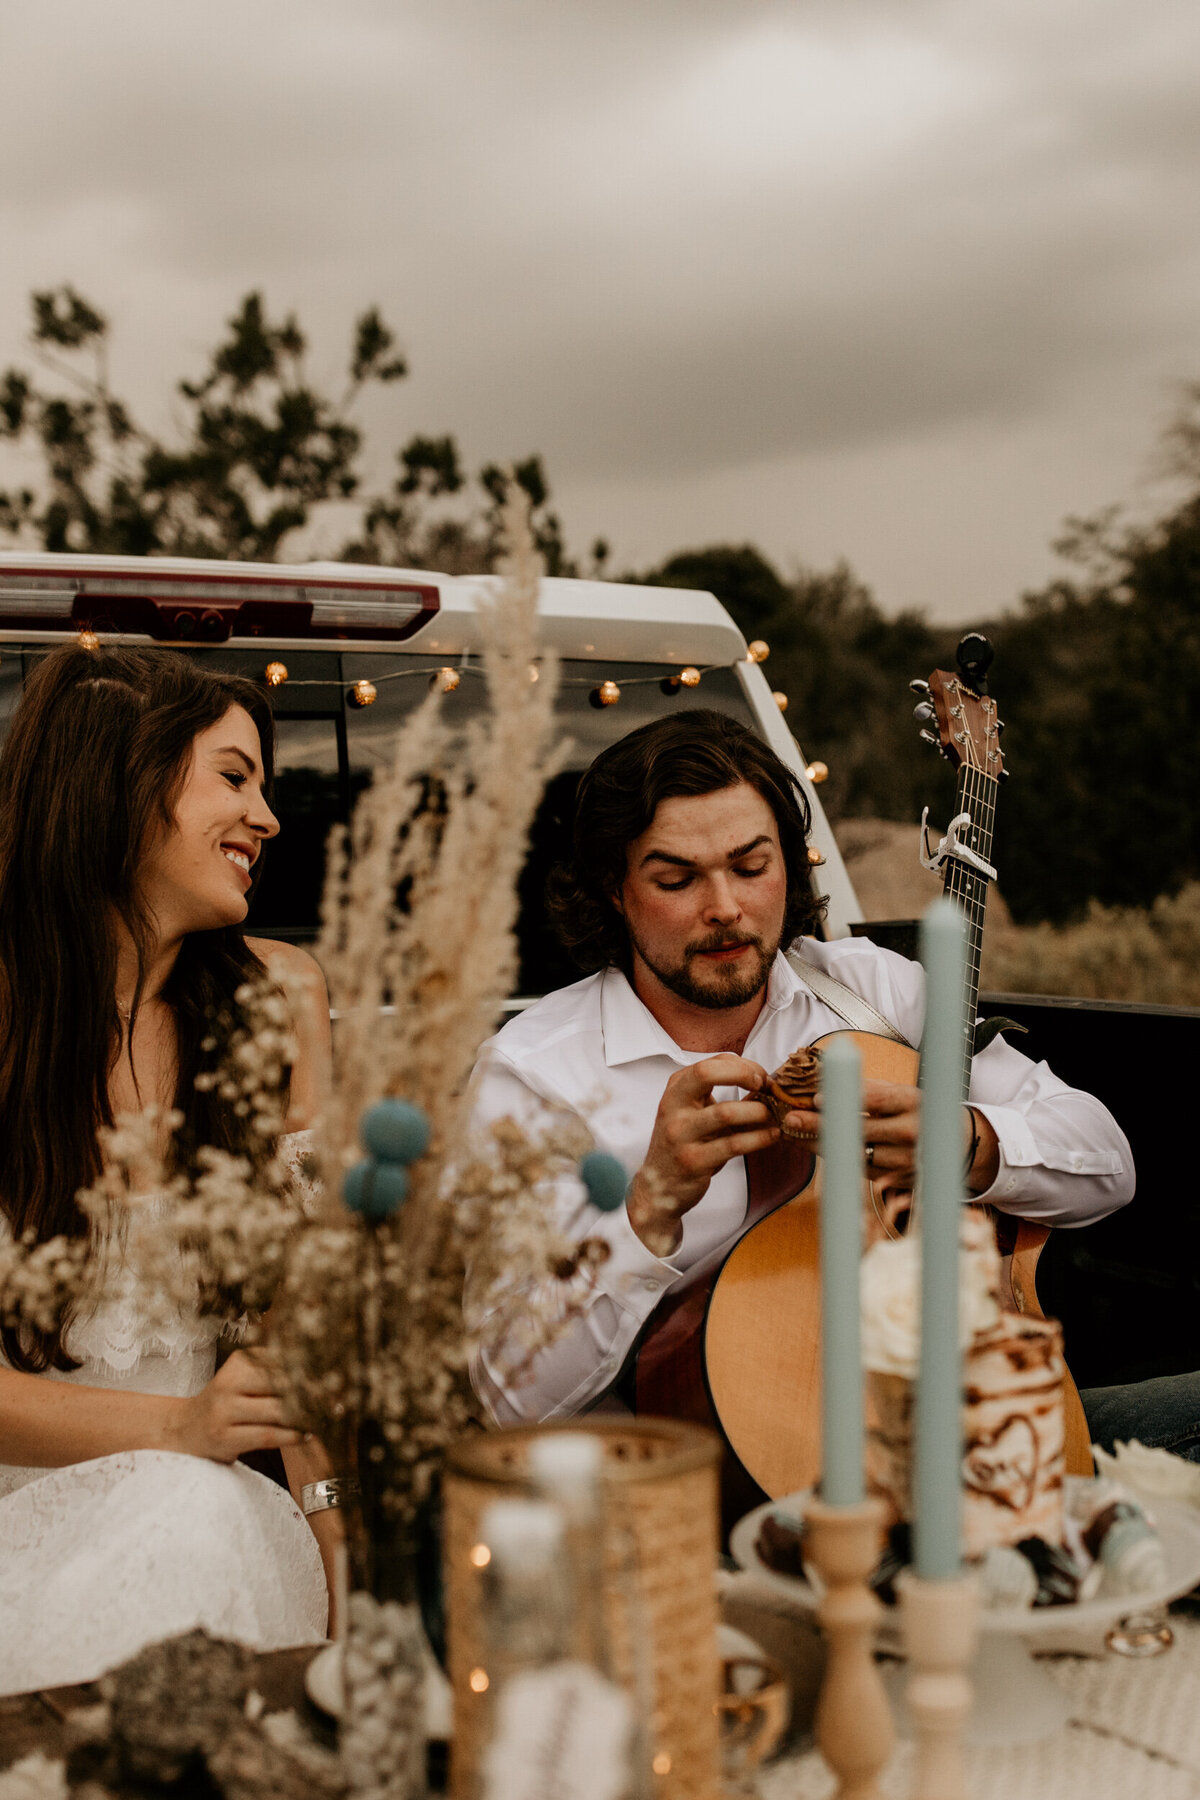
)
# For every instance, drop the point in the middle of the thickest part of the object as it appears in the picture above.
(394, 1131)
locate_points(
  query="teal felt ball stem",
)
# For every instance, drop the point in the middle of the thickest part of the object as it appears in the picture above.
(605, 1180)
(394, 1131)
(375, 1189)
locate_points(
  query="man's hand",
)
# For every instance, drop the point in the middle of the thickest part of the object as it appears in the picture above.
(694, 1136)
(891, 1132)
(236, 1412)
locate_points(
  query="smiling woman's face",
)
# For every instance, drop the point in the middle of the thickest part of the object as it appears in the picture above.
(197, 877)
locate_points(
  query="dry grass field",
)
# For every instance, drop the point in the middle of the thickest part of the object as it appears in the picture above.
(1117, 953)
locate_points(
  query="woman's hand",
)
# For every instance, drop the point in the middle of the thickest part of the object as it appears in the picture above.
(239, 1410)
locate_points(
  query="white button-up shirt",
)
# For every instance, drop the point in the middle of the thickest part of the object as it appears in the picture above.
(596, 1050)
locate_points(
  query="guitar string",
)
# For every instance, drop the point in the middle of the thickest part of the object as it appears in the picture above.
(968, 889)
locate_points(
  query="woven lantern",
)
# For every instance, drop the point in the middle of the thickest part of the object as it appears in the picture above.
(660, 1507)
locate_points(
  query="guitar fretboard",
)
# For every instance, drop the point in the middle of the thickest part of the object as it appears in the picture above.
(968, 889)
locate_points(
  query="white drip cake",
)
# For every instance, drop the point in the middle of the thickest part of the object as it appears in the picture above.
(1013, 1370)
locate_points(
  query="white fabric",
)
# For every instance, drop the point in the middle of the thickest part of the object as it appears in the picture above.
(595, 1050)
(1132, 1735)
(100, 1558)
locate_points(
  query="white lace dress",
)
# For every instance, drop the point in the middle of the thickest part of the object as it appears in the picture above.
(101, 1558)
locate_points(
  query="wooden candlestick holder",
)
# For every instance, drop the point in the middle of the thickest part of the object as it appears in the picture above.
(940, 1621)
(854, 1722)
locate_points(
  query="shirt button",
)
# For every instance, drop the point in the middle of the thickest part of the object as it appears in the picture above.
(651, 1283)
(1077, 1161)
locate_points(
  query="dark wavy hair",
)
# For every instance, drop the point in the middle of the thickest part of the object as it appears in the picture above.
(95, 759)
(692, 752)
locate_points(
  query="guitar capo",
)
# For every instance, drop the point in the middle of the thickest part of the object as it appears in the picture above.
(951, 848)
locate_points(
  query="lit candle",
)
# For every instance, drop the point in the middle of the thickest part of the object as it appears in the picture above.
(937, 1493)
(841, 1248)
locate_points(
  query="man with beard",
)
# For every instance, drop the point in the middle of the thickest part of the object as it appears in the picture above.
(689, 880)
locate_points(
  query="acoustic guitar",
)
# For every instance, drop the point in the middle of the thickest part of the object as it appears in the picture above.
(737, 1345)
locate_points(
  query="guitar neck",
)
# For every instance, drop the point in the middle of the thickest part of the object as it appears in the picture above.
(968, 889)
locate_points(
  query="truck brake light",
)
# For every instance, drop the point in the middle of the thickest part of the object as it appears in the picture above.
(211, 609)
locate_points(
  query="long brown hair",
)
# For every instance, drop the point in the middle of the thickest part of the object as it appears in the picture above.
(691, 752)
(95, 760)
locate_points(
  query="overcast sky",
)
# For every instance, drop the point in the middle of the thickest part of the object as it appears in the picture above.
(904, 281)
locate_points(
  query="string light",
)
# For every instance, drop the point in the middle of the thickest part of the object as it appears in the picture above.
(758, 651)
(780, 699)
(817, 772)
(364, 693)
(481, 1556)
(447, 679)
(87, 640)
(816, 857)
(478, 1681)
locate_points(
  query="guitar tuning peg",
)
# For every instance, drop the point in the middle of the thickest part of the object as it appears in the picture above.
(930, 737)
(919, 687)
(924, 714)
(999, 727)
(1002, 777)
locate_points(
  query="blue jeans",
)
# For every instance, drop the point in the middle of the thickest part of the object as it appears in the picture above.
(1163, 1413)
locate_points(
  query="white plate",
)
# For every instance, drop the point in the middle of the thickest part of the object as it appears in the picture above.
(1178, 1526)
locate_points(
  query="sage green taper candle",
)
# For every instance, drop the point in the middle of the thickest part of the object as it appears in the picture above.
(937, 1492)
(841, 1249)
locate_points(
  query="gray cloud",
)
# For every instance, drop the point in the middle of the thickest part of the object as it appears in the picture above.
(656, 241)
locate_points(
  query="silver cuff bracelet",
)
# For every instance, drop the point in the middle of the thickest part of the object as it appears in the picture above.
(318, 1496)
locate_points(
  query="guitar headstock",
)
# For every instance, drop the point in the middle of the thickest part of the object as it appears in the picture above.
(959, 705)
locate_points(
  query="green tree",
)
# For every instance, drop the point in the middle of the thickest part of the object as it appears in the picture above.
(1099, 684)
(260, 448)
(844, 666)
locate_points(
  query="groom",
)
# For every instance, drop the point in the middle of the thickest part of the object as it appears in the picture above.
(688, 881)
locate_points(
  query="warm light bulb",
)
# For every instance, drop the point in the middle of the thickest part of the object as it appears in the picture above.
(690, 677)
(816, 857)
(88, 640)
(781, 700)
(447, 680)
(758, 651)
(535, 674)
(661, 1764)
(481, 1556)
(364, 693)
(275, 674)
(817, 772)
(478, 1681)
(609, 693)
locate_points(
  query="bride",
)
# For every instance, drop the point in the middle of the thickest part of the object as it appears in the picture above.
(133, 814)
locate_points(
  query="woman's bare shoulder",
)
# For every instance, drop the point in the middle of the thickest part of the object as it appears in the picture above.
(287, 959)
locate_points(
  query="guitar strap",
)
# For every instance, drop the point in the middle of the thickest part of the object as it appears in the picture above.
(850, 1007)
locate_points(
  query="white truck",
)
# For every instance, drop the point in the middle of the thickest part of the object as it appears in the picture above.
(314, 633)
(1126, 1289)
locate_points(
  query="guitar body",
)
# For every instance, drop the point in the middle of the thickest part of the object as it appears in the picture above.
(737, 1346)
